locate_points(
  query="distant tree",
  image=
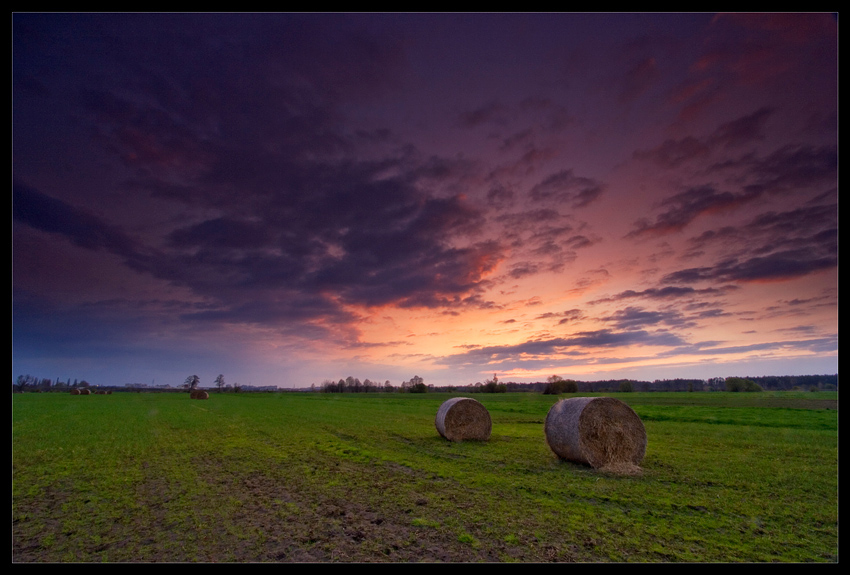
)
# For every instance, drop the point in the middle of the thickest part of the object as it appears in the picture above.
(23, 382)
(219, 382)
(741, 384)
(493, 386)
(192, 382)
(416, 385)
(236, 387)
(556, 385)
(715, 383)
(626, 386)
(553, 385)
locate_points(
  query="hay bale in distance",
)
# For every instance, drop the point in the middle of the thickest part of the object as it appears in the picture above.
(462, 418)
(75, 391)
(85, 391)
(199, 394)
(601, 432)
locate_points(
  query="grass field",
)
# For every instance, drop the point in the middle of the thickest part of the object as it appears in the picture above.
(300, 477)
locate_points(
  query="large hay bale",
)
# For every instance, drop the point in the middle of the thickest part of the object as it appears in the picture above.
(85, 391)
(601, 432)
(462, 418)
(75, 391)
(199, 394)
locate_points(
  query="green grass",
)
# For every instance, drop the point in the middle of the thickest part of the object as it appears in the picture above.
(728, 477)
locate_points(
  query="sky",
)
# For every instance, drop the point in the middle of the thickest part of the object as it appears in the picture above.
(286, 199)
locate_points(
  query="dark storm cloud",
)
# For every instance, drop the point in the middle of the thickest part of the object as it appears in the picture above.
(283, 177)
(771, 246)
(42, 212)
(815, 226)
(564, 316)
(637, 317)
(683, 208)
(790, 169)
(564, 186)
(576, 345)
(541, 239)
(742, 130)
(777, 266)
(500, 197)
(364, 241)
(710, 348)
(221, 233)
(256, 134)
(787, 169)
(665, 293)
(674, 153)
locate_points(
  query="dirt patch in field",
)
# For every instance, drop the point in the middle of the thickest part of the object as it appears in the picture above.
(227, 515)
(292, 522)
(817, 404)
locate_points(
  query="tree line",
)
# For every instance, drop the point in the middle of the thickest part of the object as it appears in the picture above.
(193, 382)
(556, 384)
(30, 383)
(353, 385)
(553, 385)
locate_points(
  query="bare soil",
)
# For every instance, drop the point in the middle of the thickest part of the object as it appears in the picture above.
(266, 519)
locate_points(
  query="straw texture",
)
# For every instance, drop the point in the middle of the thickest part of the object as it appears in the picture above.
(601, 432)
(462, 418)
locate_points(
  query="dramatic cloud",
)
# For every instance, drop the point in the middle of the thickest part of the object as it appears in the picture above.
(565, 187)
(292, 197)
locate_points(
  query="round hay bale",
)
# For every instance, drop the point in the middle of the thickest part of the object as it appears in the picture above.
(85, 391)
(75, 391)
(462, 418)
(601, 432)
(199, 394)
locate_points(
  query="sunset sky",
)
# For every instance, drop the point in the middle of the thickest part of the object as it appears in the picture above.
(290, 198)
